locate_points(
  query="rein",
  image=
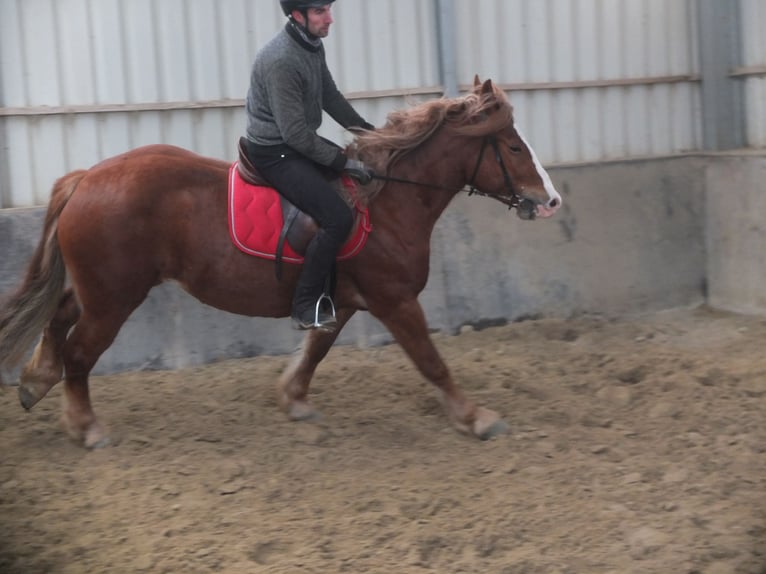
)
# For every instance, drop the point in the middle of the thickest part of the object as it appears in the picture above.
(511, 200)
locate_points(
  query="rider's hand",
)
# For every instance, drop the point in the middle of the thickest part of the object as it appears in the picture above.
(359, 171)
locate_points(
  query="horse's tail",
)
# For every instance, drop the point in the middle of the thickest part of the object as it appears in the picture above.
(25, 313)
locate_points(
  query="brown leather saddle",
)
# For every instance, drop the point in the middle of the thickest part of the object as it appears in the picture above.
(298, 228)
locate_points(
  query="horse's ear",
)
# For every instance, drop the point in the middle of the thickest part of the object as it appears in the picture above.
(476, 81)
(486, 87)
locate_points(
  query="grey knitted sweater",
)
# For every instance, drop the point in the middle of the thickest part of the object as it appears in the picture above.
(290, 85)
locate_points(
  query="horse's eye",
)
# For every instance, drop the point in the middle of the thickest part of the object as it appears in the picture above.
(515, 149)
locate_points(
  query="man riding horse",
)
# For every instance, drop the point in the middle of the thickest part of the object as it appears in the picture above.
(290, 85)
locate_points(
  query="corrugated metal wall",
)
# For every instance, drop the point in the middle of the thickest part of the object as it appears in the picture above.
(594, 79)
(81, 80)
(753, 71)
(117, 74)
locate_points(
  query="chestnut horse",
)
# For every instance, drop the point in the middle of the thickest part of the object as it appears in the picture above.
(159, 213)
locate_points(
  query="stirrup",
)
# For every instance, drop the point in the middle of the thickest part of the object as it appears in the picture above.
(321, 319)
(322, 297)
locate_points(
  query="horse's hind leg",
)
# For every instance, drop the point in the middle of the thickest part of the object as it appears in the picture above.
(46, 366)
(293, 385)
(91, 336)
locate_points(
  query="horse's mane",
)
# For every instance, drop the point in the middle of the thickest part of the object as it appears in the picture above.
(476, 114)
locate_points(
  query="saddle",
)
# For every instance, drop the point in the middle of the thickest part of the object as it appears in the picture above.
(298, 228)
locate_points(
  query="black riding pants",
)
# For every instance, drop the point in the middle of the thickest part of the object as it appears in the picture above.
(304, 183)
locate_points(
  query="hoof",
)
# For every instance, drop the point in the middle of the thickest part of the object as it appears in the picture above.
(302, 411)
(33, 388)
(27, 397)
(497, 428)
(95, 439)
(92, 436)
(488, 425)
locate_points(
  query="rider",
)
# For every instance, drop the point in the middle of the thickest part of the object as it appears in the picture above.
(290, 85)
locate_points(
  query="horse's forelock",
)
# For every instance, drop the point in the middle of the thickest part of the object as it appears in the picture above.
(486, 114)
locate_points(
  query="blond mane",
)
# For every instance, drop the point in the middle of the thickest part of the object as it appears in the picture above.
(476, 114)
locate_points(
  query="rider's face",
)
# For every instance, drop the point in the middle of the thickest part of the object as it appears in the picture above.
(319, 20)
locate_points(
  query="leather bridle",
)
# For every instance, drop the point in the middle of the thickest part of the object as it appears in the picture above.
(511, 199)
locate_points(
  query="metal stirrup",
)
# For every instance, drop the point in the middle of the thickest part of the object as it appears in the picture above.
(322, 297)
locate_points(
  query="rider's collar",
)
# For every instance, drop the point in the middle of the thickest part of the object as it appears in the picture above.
(303, 37)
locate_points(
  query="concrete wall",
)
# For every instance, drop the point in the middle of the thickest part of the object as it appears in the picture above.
(631, 237)
(736, 238)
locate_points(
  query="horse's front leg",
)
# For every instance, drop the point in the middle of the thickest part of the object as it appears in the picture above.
(293, 384)
(407, 323)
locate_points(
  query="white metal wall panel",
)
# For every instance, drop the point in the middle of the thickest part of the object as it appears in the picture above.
(128, 59)
(554, 43)
(593, 79)
(378, 48)
(753, 15)
(383, 45)
(175, 71)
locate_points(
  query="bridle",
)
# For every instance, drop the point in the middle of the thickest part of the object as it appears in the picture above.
(511, 199)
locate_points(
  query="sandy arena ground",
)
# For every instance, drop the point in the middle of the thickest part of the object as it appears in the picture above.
(636, 446)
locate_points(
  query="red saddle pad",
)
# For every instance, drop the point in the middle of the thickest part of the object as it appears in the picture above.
(255, 221)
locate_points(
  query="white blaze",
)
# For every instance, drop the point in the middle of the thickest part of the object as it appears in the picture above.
(547, 183)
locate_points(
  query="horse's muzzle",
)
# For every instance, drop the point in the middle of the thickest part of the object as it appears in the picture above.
(548, 209)
(529, 210)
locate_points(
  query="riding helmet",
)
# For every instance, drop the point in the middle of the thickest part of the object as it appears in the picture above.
(289, 5)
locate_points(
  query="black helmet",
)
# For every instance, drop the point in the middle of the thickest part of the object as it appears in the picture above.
(289, 5)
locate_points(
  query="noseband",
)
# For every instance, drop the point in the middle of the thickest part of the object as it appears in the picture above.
(511, 199)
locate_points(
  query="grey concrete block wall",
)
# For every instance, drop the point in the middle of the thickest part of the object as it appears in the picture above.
(19, 235)
(631, 237)
(736, 238)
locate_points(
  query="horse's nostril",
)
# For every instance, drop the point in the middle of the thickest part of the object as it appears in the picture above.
(553, 203)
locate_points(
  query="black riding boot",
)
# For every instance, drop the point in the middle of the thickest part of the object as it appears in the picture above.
(312, 308)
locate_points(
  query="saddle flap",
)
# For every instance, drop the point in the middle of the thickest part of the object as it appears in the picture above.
(299, 227)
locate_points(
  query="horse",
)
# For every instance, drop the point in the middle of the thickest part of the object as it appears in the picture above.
(159, 213)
